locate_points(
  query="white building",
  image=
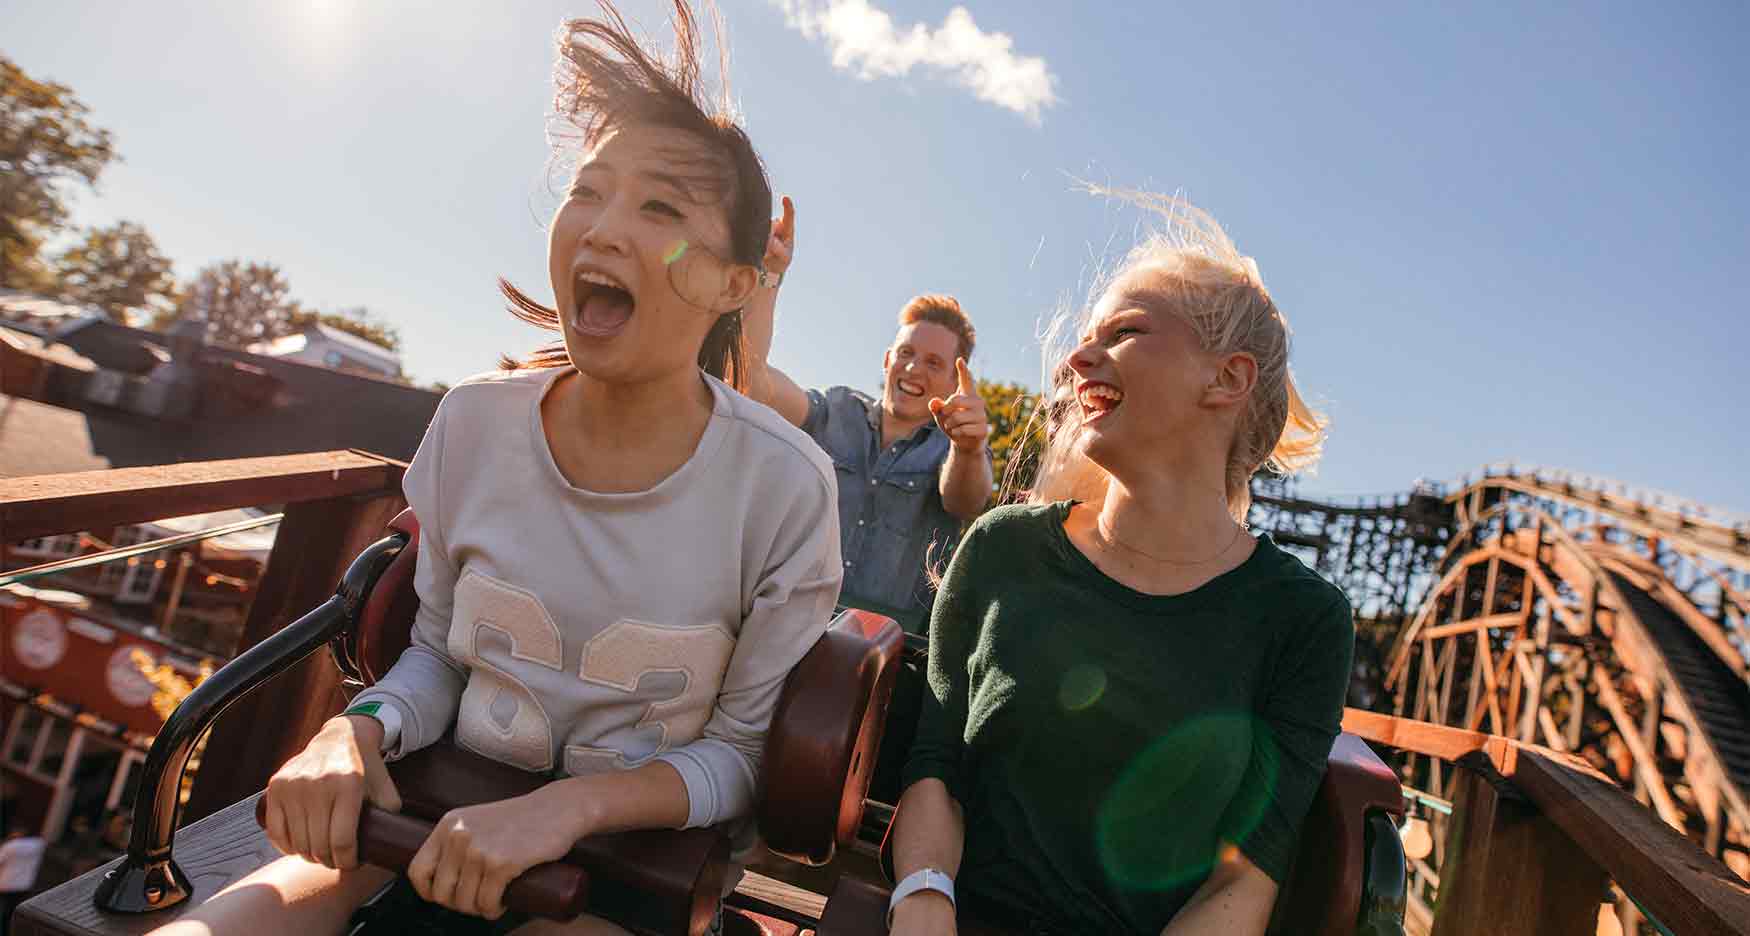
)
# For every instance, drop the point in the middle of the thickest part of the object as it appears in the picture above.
(332, 348)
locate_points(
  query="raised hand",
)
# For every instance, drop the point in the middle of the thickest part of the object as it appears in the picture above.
(962, 415)
(781, 245)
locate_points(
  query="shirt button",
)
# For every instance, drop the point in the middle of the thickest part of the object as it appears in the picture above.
(872, 482)
(847, 563)
(859, 523)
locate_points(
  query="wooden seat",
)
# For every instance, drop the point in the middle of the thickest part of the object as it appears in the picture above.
(818, 757)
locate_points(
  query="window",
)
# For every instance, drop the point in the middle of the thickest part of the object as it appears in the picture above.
(333, 359)
(133, 581)
(35, 742)
(50, 547)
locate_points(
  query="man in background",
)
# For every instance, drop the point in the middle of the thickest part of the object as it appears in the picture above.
(913, 466)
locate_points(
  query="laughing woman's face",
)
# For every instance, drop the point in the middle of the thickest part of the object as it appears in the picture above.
(629, 216)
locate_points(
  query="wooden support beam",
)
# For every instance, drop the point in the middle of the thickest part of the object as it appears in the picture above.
(1534, 682)
(1448, 660)
(1491, 679)
(1515, 675)
(1510, 871)
(262, 730)
(1441, 741)
(1490, 582)
(1452, 581)
(1605, 829)
(1689, 891)
(1577, 713)
(1649, 735)
(44, 505)
(1551, 736)
(1486, 622)
(1716, 825)
(1472, 703)
(1575, 622)
(1645, 766)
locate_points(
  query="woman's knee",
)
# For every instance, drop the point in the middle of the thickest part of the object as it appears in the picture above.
(289, 895)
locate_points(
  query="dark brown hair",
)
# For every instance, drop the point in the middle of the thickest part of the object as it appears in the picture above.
(943, 311)
(606, 80)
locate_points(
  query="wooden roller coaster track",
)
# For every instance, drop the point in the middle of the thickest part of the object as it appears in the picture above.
(1596, 622)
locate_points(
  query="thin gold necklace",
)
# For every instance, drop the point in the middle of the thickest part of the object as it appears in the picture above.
(1100, 527)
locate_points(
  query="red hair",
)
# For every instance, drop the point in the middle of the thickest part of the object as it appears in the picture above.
(944, 311)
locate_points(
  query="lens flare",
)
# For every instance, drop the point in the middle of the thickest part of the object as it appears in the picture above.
(1082, 686)
(676, 252)
(1208, 780)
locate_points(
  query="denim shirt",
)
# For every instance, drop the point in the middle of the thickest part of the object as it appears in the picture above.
(891, 519)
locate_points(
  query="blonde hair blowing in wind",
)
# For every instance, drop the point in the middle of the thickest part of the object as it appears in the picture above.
(1221, 295)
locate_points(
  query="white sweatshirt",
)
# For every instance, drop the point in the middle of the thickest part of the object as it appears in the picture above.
(568, 631)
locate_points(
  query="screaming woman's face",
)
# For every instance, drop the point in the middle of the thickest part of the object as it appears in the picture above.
(632, 256)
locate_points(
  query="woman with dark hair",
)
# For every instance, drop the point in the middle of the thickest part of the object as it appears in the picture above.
(621, 557)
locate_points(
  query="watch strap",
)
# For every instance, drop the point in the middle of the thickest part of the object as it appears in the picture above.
(920, 880)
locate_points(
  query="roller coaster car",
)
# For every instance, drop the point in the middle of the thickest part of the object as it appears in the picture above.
(817, 764)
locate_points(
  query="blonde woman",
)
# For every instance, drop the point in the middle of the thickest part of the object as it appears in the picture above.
(1131, 697)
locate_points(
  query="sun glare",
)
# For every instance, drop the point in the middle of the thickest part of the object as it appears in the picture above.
(323, 31)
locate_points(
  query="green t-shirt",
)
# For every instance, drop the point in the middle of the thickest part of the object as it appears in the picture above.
(1103, 742)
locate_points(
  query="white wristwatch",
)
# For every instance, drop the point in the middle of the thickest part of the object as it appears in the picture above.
(921, 879)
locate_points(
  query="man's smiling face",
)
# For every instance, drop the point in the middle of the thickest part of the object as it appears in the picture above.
(919, 367)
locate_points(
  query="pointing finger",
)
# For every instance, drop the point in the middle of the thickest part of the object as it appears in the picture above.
(965, 376)
(785, 229)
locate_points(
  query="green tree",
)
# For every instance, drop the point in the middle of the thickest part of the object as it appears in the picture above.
(1016, 438)
(116, 269)
(242, 303)
(356, 321)
(46, 143)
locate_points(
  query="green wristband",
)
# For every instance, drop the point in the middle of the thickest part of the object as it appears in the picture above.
(365, 708)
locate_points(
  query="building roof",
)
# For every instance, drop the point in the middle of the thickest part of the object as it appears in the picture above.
(48, 313)
(314, 331)
(246, 405)
(349, 340)
(45, 348)
(36, 438)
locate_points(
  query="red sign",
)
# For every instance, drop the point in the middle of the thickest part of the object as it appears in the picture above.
(51, 642)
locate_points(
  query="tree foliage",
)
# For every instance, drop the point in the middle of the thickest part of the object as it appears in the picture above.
(358, 322)
(46, 143)
(116, 269)
(242, 303)
(1016, 438)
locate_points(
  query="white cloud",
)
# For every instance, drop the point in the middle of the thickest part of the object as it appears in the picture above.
(864, 40)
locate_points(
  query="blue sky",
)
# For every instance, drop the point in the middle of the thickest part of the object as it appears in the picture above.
(1500, 232)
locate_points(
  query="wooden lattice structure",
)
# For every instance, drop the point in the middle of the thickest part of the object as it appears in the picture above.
(1599, 622)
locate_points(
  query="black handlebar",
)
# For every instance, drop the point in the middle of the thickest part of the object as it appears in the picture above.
(148, 879)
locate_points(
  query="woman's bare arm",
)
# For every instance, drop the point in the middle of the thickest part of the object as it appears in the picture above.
(765, 383)
(929, 832)
(1235, 901)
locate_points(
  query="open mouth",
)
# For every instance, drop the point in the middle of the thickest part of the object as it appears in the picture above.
(1098, 399)
(910, 388)
(601, 304)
